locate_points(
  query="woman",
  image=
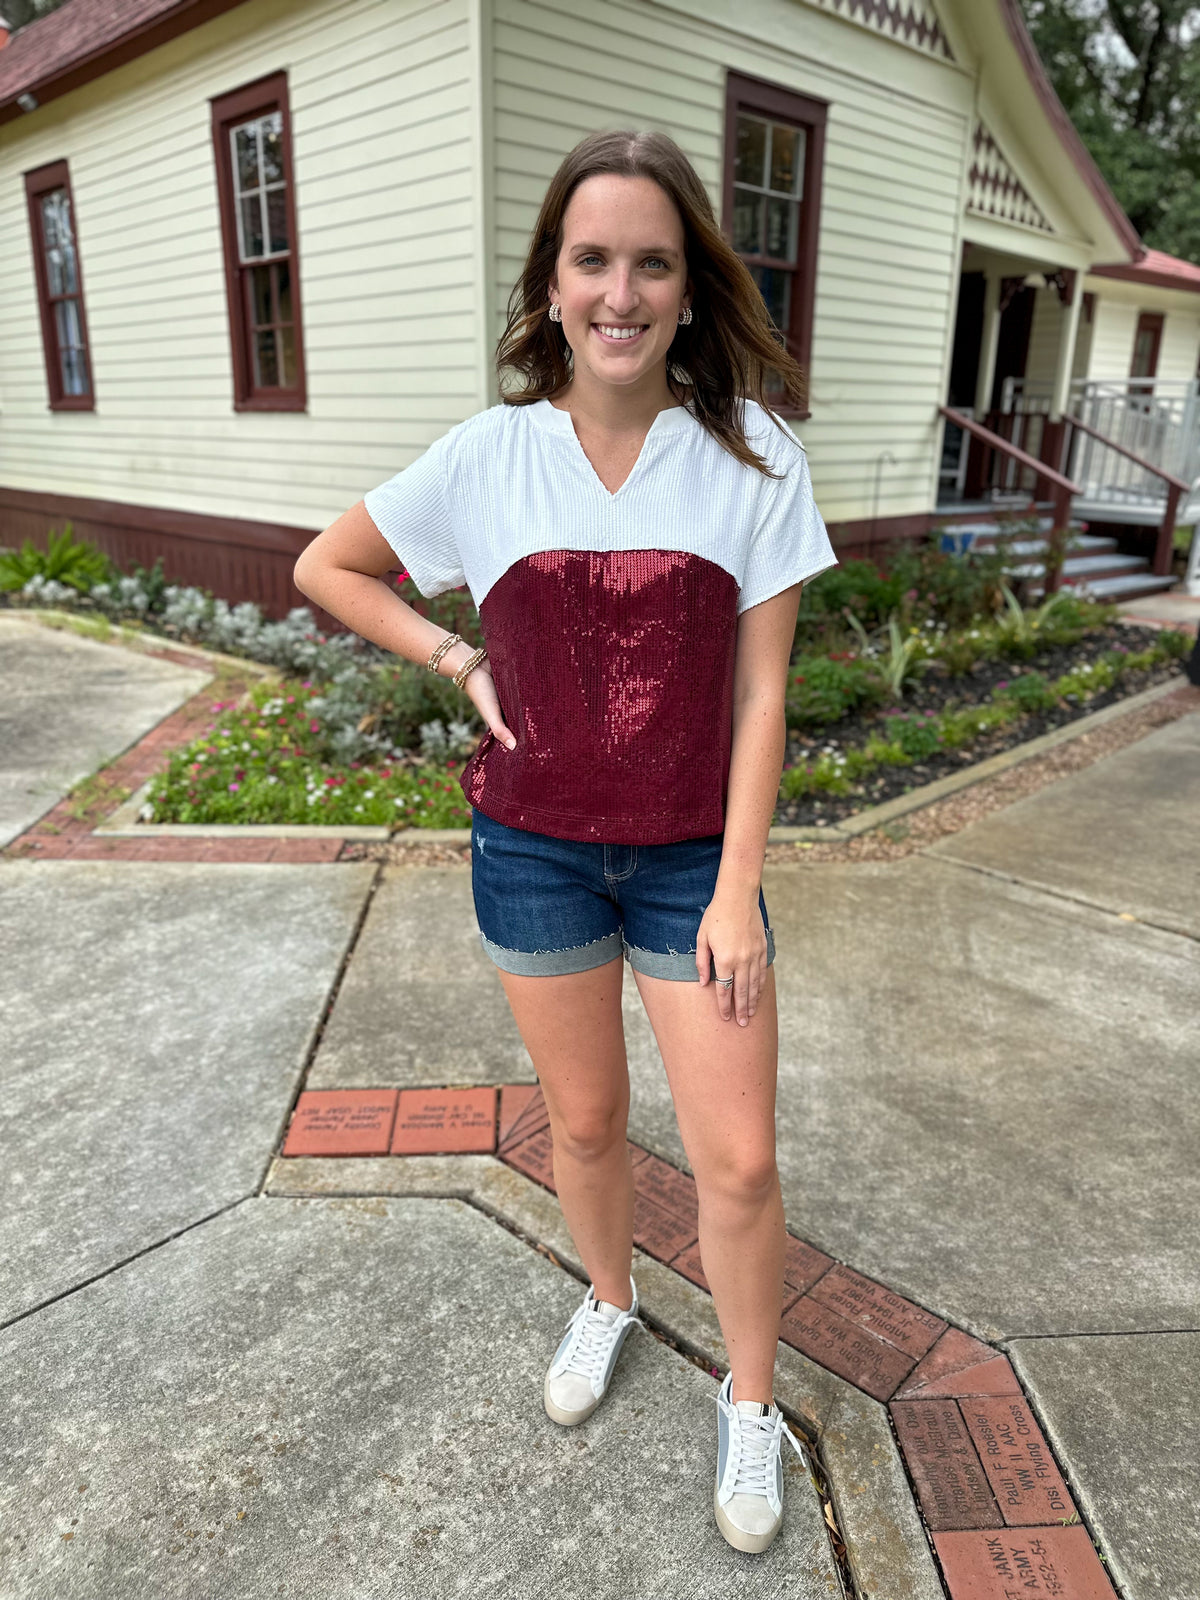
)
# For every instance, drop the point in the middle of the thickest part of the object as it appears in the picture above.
(635, 526)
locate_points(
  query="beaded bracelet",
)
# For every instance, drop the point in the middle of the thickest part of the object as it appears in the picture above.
(468, 666)
(439, 650)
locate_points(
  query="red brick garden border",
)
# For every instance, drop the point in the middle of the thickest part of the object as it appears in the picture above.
(994, 1500)
(60, 834)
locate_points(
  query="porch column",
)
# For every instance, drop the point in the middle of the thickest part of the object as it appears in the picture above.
(988, 346)
(1061, 394)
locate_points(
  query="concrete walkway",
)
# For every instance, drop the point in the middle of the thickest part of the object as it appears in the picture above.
(67, 706)
(987, 1101)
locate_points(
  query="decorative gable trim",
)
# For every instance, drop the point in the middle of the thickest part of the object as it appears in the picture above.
(911, 22)
(995, 189)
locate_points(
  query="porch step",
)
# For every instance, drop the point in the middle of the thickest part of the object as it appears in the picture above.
(1081, 545)
(1078, 568)
(1129, 586)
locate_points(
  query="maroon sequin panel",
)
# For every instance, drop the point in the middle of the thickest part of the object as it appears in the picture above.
(614, 669)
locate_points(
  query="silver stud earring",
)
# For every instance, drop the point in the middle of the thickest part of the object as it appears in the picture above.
(555, 312)
(685, 316)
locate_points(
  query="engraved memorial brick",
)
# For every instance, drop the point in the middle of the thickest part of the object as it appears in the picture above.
(514, 1099)
(1023, 1564)
(852, 1352)
(803, 1265)
(534, 1157)
(656, 1231)
(863, 1301)
(959, 1365)
(532, 1119)
(1020, 1466)
(951, 1482)
(445, 1121)
(341, 1122)
(688, 1263)
(669, 1189)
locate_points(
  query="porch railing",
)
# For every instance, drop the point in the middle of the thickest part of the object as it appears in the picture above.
(1175, 487)
(1061, 489)
(1133, 431)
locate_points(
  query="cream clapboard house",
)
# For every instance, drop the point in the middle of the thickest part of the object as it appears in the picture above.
(255, 254)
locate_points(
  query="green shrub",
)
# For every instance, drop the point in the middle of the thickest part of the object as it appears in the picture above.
(823, 688)
(1029, 692)
(64, 560)
(917, 735)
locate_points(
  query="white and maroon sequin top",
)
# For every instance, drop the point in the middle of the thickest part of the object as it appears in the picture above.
(610, 619)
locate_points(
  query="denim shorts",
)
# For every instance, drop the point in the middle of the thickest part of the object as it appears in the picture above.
(549, 906)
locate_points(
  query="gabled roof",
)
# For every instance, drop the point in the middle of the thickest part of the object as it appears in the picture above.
(85, 38)
(1157, 268)
(1086, 167)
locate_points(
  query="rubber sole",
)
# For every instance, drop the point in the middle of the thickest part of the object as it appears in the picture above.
(752, 1543)
(566, 1419)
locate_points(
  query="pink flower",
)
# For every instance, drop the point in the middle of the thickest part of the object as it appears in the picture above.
(234, 786)
(314, 727)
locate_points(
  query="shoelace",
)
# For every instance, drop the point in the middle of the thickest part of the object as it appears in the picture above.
(595, 1339)
(757, 1437)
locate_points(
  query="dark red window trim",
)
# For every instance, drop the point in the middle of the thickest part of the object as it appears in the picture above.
(1148, 322)
(240, 105)
(41, 181)
(756, 95)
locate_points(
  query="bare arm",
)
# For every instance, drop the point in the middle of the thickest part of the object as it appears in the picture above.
(732, 926)
(342, 571)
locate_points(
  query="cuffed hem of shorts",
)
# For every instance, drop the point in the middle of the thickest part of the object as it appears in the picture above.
(554, 963)
(679, 965)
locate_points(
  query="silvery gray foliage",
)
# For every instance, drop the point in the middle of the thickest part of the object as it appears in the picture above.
(440, 742)
(120, 598)
(341, 707)
(43, 591)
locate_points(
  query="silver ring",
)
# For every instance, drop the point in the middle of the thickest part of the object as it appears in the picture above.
(725, 981)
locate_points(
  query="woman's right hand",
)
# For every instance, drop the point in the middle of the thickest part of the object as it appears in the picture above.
(481, 688)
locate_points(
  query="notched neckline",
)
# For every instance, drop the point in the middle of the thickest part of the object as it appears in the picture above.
(670, 419)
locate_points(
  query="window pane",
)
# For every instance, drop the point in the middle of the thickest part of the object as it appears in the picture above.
(277, 219)
(287, 339)
(250, 217)
(60, 243)
(747, 222)
(266, 365)
(272, 147)
(776, 288)
(260, 296)
(74, 372)
(71, 358)
(66, 320)
(245, 156)
(751, 163)
(284, 280)
(786, 158)
(782, 229)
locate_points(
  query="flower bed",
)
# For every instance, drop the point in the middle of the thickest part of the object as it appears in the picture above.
(264, 762)
(869, 756)
(897, 678)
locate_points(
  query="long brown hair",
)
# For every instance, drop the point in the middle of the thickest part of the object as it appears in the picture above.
(728, 349)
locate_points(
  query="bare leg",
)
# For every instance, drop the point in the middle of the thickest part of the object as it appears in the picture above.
(572, 1028)
(722, 1081)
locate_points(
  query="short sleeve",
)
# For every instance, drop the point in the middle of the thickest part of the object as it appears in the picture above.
(413, 513)
(789, 542)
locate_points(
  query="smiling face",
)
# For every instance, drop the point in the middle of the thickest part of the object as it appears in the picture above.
(621, 280)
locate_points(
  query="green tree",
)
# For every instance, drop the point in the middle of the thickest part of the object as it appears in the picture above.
(1128, 73)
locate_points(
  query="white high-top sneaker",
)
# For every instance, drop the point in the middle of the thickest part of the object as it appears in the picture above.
(578, 1376)
(748, 1498)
